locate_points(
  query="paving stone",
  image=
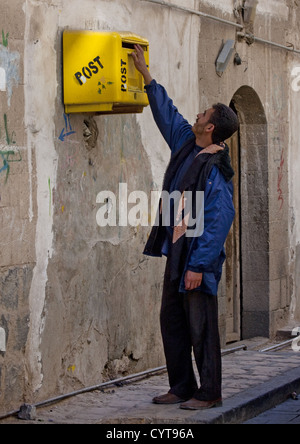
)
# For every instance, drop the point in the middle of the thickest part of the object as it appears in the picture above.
(247, 376)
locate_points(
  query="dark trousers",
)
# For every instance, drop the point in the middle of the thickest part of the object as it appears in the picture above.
(190, 321)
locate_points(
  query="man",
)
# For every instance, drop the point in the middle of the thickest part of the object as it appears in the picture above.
(189, 314)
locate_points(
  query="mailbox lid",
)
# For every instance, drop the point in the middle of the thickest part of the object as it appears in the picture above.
(130, 37)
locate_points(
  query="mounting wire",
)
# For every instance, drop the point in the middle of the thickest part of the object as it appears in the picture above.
(193, 11)
(268, 42)
(250, 37)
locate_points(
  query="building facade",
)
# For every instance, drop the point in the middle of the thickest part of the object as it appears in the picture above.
(79, 303)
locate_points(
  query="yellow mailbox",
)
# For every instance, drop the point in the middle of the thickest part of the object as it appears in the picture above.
(99, 73)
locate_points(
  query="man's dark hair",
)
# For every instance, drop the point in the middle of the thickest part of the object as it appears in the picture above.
(226, 123)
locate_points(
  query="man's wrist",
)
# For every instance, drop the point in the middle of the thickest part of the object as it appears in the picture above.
(147, 77)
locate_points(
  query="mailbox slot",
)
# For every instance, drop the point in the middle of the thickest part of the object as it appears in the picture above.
(131, 46)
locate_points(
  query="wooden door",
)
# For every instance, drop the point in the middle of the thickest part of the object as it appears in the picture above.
(233, 251)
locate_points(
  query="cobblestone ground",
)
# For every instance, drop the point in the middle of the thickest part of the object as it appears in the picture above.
(132, 403)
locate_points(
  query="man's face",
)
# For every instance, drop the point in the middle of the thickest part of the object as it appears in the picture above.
(202, 122)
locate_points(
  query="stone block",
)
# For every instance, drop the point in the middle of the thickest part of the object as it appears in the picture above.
(255, 324)
(256, 296)
(257, 265)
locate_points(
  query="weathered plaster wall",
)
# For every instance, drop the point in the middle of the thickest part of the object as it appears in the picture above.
(92, 298)
(80, 303)
(17, 223)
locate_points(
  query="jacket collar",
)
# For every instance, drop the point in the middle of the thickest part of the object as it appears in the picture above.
(221, 159)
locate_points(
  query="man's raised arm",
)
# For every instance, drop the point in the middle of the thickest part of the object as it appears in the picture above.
(174, 128)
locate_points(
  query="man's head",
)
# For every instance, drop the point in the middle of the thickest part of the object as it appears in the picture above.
(215, 125)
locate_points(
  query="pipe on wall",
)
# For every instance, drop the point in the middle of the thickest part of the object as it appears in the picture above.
(227, 22)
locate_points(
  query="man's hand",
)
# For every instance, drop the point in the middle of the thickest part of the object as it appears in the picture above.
(192, 280)
(213, 149)
(140, 63)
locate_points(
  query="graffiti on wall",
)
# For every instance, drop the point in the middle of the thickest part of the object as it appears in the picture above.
(7, 156)
(278, 138)
(9, 136)
(279, 182)
(5, 39)
(9, 77)
(9, 67)
(67, 130)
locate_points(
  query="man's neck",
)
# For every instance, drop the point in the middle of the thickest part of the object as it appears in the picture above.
(203, 142)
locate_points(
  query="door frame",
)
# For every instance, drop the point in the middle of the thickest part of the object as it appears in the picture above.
(233, 251)
(254, 214)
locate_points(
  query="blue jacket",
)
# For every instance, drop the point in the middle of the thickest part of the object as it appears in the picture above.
(206, 253)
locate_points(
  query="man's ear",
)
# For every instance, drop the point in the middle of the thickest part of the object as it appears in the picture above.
(210, 128)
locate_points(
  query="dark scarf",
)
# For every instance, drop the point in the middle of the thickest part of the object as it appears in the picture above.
(194, 180)
(220, 159)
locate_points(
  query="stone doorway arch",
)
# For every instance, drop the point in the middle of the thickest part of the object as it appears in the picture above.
(251, 237)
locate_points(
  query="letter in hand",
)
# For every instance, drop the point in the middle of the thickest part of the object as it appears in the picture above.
(140, 63)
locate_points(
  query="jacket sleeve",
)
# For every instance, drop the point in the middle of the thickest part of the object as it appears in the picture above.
(174, 128)
(219, 214)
